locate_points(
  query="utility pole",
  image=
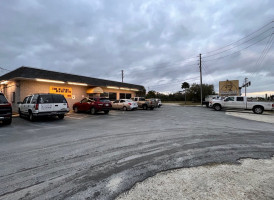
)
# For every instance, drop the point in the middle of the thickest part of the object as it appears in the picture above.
(245, 84)
(122, 76)
(201, 81)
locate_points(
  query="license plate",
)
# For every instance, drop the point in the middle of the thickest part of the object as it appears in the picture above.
(107, 104)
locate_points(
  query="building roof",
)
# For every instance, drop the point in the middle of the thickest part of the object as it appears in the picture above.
(33, 73)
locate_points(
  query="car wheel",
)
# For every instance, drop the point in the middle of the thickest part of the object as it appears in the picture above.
(217, 107)
(258, 109)
(92, 111)
(31, 117)
(20, 114)
(145, 107)
(124, 108)
(61, 116)
(76, 109)
(106, 111)
(8, 122)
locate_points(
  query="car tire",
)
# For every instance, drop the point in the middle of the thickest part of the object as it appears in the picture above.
(20, 113)
(124, 108)
(7, 122)
(75, 109)
(92, 111)
(61, 116)
(217, 107)
(144, 107)
(258, 110)
(31, 117)
(106, 112)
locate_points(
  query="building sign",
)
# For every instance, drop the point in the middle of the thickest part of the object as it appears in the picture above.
(229, 88)
(67, 92)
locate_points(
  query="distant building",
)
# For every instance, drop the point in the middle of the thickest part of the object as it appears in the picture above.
(24, 81)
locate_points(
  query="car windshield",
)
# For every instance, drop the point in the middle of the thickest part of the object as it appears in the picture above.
(3, 99)
(104, 100)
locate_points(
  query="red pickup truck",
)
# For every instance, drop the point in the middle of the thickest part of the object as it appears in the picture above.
(5, 110)
(93, 105)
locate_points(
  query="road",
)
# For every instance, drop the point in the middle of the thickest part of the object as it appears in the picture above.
(99, 156)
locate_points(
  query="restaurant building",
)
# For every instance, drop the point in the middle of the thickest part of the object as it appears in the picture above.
(23, 81)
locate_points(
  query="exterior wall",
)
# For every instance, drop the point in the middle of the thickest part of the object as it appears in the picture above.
(16, 91)
(30, 87)
(27, 87)
(12, 92)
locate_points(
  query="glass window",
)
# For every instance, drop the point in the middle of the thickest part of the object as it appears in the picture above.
(25, 100)
(112, 96)
(34, 99)
(85, 100)
(3, 99)
(105, 94)
(122, 95)
(142, 99)
(57, 98)
(105, 100)
(128, 96)
(28, 101)
(122, 101)
(45, 98)
(240, 98)
(116, 101)
(13, 97)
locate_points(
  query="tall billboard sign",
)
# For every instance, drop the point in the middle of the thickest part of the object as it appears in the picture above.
(229, 88)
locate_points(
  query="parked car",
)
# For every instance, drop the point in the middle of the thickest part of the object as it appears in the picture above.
(124, 104)
(239, 102)
(145, 103)
(93, 105)
(5, 110)
(158, 102)
(37, 105)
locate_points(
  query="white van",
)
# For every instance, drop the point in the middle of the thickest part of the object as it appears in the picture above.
(37, 105)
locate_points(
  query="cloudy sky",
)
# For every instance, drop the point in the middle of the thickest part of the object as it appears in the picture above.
(155, 42)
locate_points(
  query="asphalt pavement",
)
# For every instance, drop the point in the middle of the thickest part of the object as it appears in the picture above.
(100, 156)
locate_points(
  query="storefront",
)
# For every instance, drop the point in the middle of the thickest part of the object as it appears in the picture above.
(25, 80)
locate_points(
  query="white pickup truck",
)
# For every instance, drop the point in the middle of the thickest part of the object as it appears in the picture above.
(240, 102)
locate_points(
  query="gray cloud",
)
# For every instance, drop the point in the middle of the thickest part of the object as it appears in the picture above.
(152, 40)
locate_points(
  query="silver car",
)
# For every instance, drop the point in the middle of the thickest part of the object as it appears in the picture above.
(124, 104)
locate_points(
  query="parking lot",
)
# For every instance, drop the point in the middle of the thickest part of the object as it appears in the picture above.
(100, 156)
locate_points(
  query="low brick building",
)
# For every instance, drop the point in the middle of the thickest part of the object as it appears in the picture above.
(23, 81)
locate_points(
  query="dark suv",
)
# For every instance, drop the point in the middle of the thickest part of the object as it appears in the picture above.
(5, 110)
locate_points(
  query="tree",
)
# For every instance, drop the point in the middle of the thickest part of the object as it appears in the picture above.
(194, 92)
(151, 94)
(185, 85)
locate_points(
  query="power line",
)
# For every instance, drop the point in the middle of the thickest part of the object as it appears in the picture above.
(239, 50)
(238, 45)
(240, 39)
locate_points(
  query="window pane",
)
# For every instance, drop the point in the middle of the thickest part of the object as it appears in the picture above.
(59, 98)
(3, 99)
(128, 96)
(34, 99)
(112, 96)
(45, 98)
(122, 95)
(29, 99)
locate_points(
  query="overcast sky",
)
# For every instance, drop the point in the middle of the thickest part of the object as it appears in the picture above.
(155, 42)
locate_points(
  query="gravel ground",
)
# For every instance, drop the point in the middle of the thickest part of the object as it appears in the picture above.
(252, 179)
